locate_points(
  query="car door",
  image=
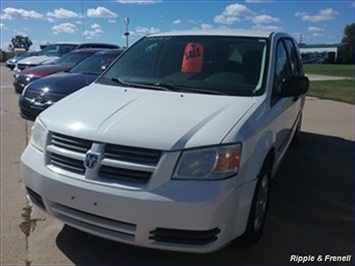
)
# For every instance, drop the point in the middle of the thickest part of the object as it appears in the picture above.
(287, 109)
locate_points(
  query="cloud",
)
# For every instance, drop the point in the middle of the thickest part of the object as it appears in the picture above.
(62, 13)
(232, 13)
(95, 26)
(258, 1)
(78, 22)
(317, 34)
(142, 31)
(221, 19)
(101, 12)
(96, 31)
(177, 21)
(2, 26)
(90, 34)
(323, 15)
(15, 13)
(264, 19)
(266, 27)
(205, 26)
(112, 21)
(141, 2)
(51, 20)
(312, 28)
(64, 28)
(237, 10)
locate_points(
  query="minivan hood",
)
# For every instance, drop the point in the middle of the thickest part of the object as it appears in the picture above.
(146, 118)
(38, 60)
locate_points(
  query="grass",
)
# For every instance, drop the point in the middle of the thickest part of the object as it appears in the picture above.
(330, 70)
(338, 90)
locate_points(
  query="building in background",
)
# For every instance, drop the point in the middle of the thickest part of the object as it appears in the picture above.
(320, 53)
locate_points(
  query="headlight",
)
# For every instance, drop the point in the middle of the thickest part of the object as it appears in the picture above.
(209, 163)
(38, 135)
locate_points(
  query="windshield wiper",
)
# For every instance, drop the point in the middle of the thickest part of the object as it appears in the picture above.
(139, 85)
(174, 87)
(119, 81)
(149, 86)
(135, 85)
(88, 73)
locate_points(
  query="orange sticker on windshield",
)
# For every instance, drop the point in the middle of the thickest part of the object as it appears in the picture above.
(193, 56)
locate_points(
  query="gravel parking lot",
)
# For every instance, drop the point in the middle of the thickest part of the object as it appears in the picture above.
(311, 208)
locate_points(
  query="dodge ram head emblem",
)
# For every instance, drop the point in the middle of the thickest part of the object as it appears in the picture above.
(91, 160)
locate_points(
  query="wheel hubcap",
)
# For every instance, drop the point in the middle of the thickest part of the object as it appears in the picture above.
(261, 203)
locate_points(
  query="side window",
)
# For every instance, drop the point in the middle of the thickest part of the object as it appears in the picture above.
(293, 55)
(282, 69)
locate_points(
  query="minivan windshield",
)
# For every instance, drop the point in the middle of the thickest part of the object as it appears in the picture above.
(199, 64)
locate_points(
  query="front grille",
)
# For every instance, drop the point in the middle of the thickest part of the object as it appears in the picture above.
(132, 154)
(68, 164)
(45, 97)
(187, 237)
(124, 174)
(71, 143)
(116, 165)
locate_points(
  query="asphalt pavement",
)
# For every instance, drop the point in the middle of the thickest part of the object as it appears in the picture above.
(311, 210)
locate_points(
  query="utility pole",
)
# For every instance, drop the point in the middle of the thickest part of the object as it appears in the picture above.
(82, 20)
(126, 21)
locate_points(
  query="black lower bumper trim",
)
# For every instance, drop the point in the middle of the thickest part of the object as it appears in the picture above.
(35, 198)
(187, 237)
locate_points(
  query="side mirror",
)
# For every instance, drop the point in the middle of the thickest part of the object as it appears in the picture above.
(294, 86)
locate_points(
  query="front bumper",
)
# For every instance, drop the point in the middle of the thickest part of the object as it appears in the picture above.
(191, 216)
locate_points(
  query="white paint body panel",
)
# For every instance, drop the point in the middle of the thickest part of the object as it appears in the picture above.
(129, 117)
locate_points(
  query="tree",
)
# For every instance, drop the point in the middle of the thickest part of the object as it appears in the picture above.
(347, 51)
(20, 41)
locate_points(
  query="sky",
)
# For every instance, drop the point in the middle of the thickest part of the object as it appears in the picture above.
(312, 22)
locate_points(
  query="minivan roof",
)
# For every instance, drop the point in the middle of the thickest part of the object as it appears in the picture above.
(216, 32)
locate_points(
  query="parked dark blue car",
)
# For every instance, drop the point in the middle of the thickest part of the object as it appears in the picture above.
(42, 93)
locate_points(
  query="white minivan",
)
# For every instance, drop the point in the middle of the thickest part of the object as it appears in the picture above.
(174, 145)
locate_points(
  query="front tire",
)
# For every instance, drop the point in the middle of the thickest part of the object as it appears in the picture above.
(259, 207)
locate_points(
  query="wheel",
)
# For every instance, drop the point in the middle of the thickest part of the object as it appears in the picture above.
(296, 135)
(259, 207)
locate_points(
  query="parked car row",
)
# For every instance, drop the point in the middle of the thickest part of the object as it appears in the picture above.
(43, 92)
(50, 53)
(55, 58)
(64, 63)
(11, 63)
(174, 145)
